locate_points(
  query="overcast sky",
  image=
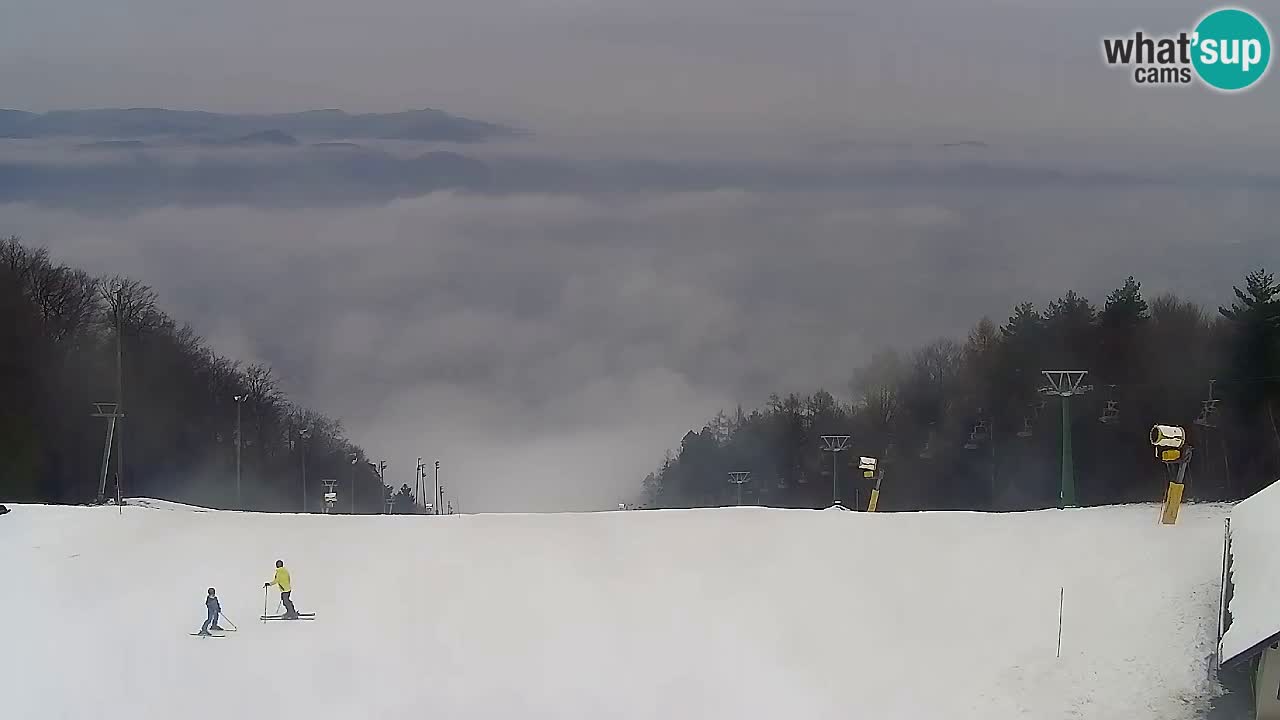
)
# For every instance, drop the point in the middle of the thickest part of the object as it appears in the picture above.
(549, 346)
(623, 65)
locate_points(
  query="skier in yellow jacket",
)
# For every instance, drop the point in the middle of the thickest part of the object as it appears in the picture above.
(281, 580)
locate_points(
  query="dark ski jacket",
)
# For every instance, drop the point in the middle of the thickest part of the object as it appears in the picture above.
(212, 604)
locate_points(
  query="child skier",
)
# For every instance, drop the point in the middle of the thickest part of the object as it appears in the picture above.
(215, 609)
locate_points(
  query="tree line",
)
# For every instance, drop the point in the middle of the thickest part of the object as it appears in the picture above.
(70, 340)
(966, 425)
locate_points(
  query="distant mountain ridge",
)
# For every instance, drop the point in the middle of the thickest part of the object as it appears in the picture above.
(127, 123)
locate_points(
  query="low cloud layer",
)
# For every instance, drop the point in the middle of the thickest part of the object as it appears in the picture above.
(548, 347)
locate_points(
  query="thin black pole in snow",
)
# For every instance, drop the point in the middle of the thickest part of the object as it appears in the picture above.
(1061, 593)
(1222, 586)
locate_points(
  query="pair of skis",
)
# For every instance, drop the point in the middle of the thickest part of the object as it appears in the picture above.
(264, 618)
(299, 616)
(210, 634)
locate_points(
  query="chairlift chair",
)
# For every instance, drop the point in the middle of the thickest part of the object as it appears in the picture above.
(980, 431)
(1111, 413)
(1208, 414)
(1208, 410)
(1025, 432)
(926, 452)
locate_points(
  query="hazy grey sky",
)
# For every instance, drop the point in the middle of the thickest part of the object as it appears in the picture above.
(625, 66)
(547, 343)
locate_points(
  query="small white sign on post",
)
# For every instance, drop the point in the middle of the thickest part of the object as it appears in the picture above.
(330, 495)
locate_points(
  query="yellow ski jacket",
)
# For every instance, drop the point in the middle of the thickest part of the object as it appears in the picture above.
(282, 579)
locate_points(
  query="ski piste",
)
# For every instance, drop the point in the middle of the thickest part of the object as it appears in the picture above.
(301, 616)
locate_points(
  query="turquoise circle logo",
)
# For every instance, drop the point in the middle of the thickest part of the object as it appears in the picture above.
(1232, 49)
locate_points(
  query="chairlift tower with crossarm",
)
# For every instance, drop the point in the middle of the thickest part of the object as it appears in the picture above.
(738, 478)
(835, 444)
(1066, 384)
(110, 411)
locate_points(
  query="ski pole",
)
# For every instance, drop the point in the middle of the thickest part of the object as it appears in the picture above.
(264, 603)
(233, 625)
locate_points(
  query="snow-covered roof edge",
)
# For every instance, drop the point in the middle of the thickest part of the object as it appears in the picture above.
(1253, 579)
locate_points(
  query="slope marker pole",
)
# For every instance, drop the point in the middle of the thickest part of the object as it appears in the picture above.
(1061, 593)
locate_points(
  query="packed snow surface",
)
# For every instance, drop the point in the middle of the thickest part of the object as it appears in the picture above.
(733, 613)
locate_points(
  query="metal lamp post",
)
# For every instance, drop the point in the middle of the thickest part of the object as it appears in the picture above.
(303, 435)
(417, 483)
(118, 410)
(380, 470)
(239, 443)
(354, 459)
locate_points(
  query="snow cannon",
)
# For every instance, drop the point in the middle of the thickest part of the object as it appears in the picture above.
(870, 468)
(1170, 442)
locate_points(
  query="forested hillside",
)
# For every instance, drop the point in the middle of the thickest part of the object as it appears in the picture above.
(62, 333)
(962, 423)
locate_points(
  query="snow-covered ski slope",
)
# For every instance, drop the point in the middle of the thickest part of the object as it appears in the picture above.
(707, 614)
